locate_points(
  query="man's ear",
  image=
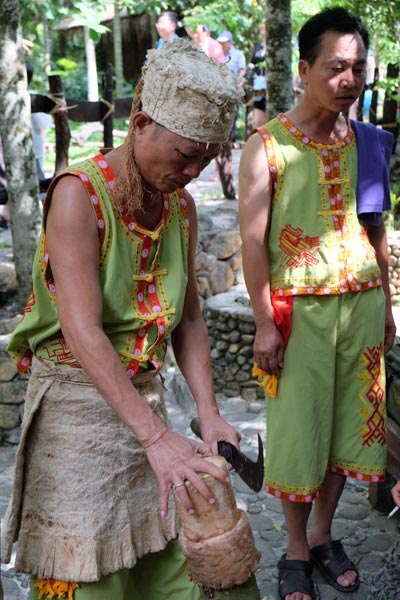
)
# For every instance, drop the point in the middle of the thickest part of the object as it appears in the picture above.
(140, 122)
(304, 69)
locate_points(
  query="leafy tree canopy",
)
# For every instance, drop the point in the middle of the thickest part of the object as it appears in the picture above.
(241, 17)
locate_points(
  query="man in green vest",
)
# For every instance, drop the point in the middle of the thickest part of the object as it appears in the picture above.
(92, 509)
(316, 267)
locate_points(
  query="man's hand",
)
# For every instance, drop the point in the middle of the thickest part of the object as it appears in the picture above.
(269, 348)
(215, 429)
(390, 330)
(396, 493)
(175, 459)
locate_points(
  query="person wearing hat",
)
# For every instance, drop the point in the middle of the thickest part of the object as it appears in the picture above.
(259, 100)
(114, 275)
(235, 59)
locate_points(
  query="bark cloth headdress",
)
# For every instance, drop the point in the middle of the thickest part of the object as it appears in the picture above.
(190, 94)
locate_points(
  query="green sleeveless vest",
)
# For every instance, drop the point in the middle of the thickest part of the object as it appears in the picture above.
(142, 274)
(316, 244)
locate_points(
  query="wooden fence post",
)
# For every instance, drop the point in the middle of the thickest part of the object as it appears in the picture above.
(389, 119)
(107, 108)
(60, 114)
(373, 117)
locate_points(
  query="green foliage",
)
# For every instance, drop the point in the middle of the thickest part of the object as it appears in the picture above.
(395, 195)
(40, 18)
(241, 18)
(74, 78)
(301, 10)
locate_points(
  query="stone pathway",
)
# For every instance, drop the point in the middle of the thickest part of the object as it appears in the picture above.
(369, 537)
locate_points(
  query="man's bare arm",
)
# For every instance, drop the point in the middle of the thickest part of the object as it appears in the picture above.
(255, 193)
(377, 237)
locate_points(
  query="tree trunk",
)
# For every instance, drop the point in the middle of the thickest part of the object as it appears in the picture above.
(46, 46)
(63, 133)
(91, 65)
(19, 158)
(108, 97)
(278, 57)
(389, 118)
(118, 59)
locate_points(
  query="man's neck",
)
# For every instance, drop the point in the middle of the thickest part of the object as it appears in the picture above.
(323, 126)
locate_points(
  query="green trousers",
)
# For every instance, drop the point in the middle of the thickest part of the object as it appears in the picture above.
(158, 576)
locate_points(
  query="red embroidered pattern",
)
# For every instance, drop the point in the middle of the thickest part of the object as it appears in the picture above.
(311, 496)
(272, 162)
(25, 362)
(300, 250)
(290, 497)
(109, 177)
(30, 303)
(150, 302)
(357, 475)
(58, 351)
(372, 395)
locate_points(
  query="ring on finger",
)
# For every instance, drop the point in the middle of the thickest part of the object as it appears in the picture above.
(179, 484)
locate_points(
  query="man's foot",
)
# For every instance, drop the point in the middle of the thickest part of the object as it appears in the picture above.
(295, 581)
(335, 566)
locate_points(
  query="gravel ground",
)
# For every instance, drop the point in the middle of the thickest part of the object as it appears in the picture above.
(386, 585)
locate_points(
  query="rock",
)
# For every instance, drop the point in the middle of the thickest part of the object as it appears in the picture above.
(225, 244)
(8, 279)
(205, 262)
(221, 278)
(203, 286)
(235, 260)
(9, 416)
(13, 392)
(12, 436)
(8, 325)
(205, 221)
(8, 370)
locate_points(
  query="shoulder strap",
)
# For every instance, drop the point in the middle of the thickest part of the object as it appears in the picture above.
(271, 156)
(84, 171)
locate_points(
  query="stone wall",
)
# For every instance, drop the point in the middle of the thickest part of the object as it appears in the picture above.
(219, 256)
(12, 389)
(231, 329)
(394, 266)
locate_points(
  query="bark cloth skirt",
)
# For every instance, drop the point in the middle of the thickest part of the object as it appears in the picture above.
(85, 501)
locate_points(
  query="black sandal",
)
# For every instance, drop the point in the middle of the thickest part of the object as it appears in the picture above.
(295, 576)
(339, 562)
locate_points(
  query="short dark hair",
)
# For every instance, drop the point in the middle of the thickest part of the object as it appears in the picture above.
(171, 15)
(29, 71)
(336, 19)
